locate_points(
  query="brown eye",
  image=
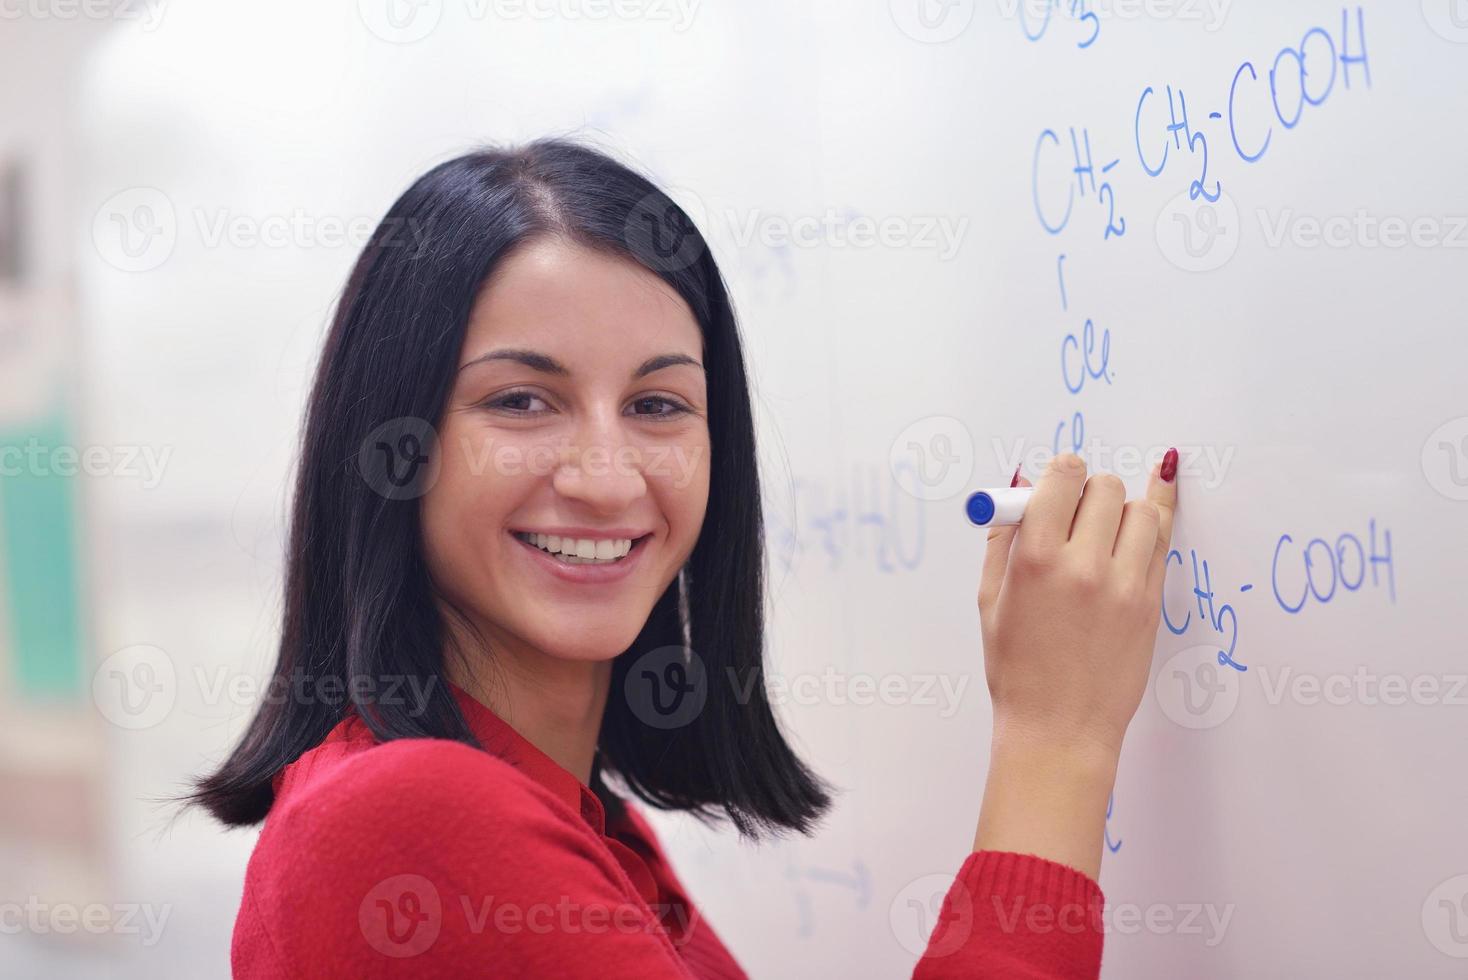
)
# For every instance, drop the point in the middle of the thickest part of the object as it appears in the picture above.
(660, 407)
(515, 402)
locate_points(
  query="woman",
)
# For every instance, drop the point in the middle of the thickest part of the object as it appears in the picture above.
(526, 555)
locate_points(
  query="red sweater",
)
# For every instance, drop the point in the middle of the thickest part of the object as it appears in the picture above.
(428, 858)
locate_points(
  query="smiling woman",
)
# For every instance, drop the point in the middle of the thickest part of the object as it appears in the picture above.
(528, 498)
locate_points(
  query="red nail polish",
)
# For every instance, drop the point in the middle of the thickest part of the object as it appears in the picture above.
(1015, 482)
(1169, 466)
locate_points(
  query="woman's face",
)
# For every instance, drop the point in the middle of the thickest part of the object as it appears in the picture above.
(578, 422)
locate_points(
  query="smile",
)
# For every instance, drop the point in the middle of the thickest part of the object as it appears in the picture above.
(583, 559)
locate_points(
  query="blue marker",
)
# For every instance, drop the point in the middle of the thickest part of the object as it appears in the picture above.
(994, 508)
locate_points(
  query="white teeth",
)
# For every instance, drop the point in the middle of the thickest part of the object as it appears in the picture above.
(580, 551)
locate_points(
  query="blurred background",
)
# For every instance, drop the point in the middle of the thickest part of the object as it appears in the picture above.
(184, 185)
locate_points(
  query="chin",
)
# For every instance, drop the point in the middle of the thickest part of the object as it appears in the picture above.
(589, 643)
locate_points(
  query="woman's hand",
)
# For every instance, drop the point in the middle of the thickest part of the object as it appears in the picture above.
(1069, 603)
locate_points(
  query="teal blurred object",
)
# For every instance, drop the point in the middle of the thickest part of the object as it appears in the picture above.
(38, 528)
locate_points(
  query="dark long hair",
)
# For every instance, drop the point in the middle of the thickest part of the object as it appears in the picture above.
(359, 602)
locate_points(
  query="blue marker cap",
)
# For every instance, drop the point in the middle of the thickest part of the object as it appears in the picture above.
(980, 507)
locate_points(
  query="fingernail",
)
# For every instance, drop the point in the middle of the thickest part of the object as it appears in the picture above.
(1169, 466)
(1015, 482)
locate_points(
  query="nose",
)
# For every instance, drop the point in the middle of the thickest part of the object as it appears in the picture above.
(600, 467)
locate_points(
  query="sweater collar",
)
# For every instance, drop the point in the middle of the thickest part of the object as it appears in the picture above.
(501, 739)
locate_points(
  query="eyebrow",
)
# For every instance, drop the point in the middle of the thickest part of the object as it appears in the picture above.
(546, 364)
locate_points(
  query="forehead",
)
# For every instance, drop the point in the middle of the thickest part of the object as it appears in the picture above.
(582, 304)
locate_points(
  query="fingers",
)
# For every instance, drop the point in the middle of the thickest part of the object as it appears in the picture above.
(1052, 509)
(1136, 541)
(996, 556)
(1098, 517)
(1162, 493)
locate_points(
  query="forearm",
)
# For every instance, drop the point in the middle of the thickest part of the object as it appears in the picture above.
(1047, 800)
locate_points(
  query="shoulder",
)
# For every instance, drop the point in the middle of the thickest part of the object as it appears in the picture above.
(428, 824)
(374, 794)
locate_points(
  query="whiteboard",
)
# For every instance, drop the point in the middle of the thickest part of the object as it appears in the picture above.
(912, 205)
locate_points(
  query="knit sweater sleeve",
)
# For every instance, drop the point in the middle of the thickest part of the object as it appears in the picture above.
(1019, 917)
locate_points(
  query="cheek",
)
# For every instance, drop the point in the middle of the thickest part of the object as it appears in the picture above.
(683, 488)
(464, 508)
